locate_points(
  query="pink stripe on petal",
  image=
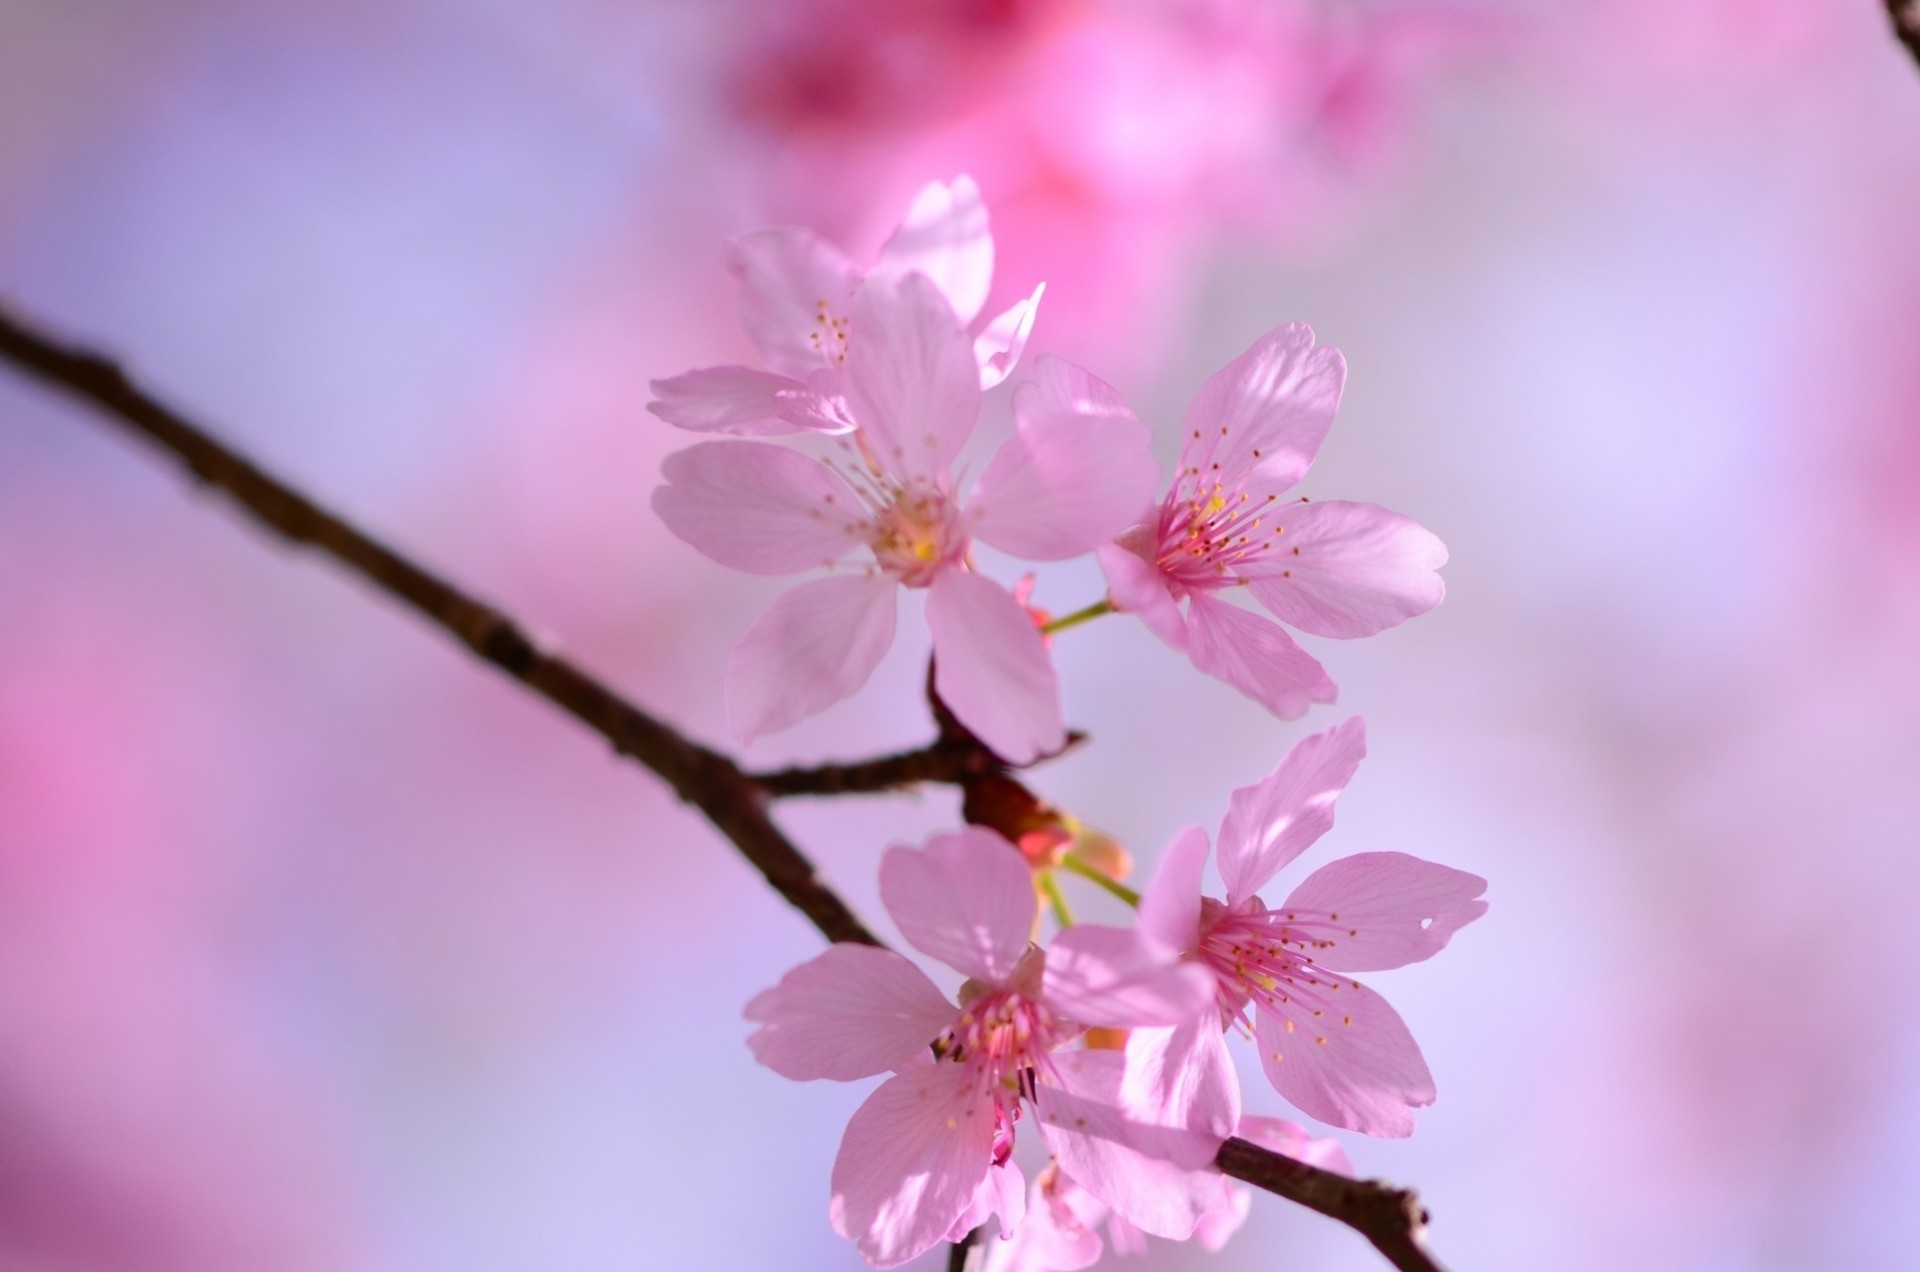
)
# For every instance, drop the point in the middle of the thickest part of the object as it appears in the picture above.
(1266, 412)
(1170, 907)
(813, 647)
(757, 507)
(912, 383)
(1097, 975)
(1348, 1060)
(1273, 821)
(910, 1163)
(1063, 484)
(738, 401)
(992, 668)
(852, 1012)
(1350, 569)
(966, 899)
(1387, 910)
(945, 237)
(1255, 656)
(792, 289)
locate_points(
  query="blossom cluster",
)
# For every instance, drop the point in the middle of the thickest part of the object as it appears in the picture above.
(1109, 1042)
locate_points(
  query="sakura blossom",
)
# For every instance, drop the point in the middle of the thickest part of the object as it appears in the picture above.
(928, 1156)
(1061, 1229)
(1066, 481)
(796, 299)
(1283, 974)
(1334, 568)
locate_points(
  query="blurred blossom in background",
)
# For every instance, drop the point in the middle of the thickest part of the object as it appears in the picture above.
(322, 948)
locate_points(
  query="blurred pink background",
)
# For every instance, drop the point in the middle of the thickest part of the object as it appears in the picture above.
(321, 947)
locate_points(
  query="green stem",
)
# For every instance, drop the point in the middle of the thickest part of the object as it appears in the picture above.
(1056, 898)
(1079, 616)
(1087, 872)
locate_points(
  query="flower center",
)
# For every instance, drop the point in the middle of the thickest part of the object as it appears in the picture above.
(1003, 1038)
(914, 530)
(1209, 532)
(1265, 957)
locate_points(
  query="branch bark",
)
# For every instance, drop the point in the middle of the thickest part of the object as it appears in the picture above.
(1906, 24)
(732, 800)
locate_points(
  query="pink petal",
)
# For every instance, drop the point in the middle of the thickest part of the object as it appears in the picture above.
(1062, 390)
(1254, 656)
(818, 406)
(1003, 1191)
(1297, 1142)
(1354, 569)
(991, 667)
(1064, 483)
(1388, 909)
(1096, 1145)
(1058, 1232)
(945, 237)
(912, 383)
(757, 507)
(910, 1163)
(791, 288)
(812, 647)
(735, 400)
(1137, 586)
(1170, 907)
(1367, 1075)
(1183, 1076)
(1273, 821)
(1118, 978)
(1267, 411)
(965, 899)
(998, 348)
(1218, 1225)
(850, 1013)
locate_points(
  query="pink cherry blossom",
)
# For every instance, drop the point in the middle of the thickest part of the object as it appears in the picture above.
(1331, 1046)
(1065, 482)
(1336, 568)
(1061, 1229)
(928, 1156)
(796, 295)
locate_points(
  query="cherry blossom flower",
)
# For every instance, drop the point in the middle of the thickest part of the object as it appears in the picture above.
(1061, 1230)
(927, 1157)
(1328, 1044)
(1332, 568)
(1061, 485)
(796, 296)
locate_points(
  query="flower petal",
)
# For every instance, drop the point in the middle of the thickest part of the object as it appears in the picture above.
(1136, 586)
(1096, 1145)
(1183, 1076)
(911, 1162)
(1170, 907)
(1254, 656)
(1115, 977)
(850, 1013)
(1003, 1191)
(1347, 1059)
(1058, 1233)
(818, 406)
(1354, 569)
(945, 237)
(1387, 909)
(735, 400)
(1297, 1142)
(1276, 819)
(1266, 412)
(757, 507)
(912, 383)
(813, 647)
(792, 289)
(1065, 482)
(991, 667)
(965, 899)
(998, 347)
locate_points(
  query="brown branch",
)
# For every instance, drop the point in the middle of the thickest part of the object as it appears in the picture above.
(706, 779)
(732, 800)
(949, 761)
(1906, 24)
(969, 1253)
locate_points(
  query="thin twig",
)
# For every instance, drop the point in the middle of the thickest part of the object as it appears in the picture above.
(969, 1253)
(734, 802)
(1906, 24)
(948, 761)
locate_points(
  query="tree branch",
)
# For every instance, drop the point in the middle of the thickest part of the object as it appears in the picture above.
(1906, 24)
(730, 799)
